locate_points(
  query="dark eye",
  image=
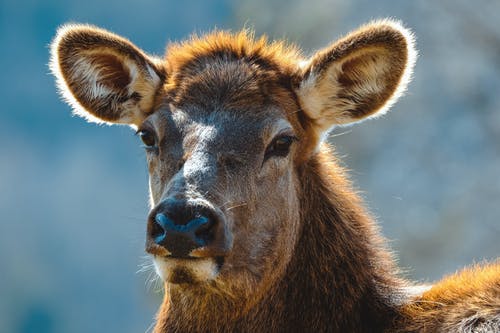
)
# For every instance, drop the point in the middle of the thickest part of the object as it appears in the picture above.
(280, 146)
(148, 138)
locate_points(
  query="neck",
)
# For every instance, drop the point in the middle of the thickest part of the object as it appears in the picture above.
(341, 278)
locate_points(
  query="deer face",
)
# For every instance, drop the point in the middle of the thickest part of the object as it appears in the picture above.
(226, 122)
(222, 188)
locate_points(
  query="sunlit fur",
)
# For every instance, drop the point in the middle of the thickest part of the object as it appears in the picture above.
(358, 77)
(467, 301)
(103, 75)
(305, 256)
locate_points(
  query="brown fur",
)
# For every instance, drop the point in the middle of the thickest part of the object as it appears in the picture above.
(341, 279)
(468, 301)
(303, 253)
(107, 54)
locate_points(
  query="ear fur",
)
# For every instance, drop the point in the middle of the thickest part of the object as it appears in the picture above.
(358, 77)
(104, 77)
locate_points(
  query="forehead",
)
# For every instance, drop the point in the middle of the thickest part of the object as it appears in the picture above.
(231, 72)
(221, 128)
(225, 82)
(230, 85)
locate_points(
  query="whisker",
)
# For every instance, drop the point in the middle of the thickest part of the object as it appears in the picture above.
(226, 203)
(144, 268)
(159, 285)
(150, 327)
(236, 206)
(428, 302)
(232, 202)
(339, 134)
(148, 267)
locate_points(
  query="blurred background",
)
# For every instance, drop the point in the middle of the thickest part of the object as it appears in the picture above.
(73, 196)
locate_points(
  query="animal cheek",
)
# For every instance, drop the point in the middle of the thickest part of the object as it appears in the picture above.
(155, 187)
(275, 171)
(152, 163)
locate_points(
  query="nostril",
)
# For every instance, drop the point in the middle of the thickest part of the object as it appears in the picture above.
(205, 232)
(199, 230)
(159, 229)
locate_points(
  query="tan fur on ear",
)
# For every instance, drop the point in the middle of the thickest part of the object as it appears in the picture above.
(359, 76)
(104, 77)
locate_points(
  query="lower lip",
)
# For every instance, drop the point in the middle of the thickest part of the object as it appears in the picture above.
(203, 269)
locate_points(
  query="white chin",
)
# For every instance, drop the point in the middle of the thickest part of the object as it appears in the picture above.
(179, 271)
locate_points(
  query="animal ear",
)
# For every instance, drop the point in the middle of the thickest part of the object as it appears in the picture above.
(104, 77)
(357, 77)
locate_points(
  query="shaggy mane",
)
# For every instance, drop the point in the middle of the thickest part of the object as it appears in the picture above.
(240, 45)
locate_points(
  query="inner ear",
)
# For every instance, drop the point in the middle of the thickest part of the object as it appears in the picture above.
(113, 72)
(103, 76)
(366, 81)
(357, 77)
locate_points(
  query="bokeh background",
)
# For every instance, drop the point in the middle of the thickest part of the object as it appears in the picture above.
(73, 196)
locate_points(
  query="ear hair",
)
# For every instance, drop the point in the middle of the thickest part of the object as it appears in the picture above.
(358, 77)
(104, 77)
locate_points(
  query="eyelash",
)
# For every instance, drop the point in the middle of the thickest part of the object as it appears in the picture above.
(280, 146)
(148, 139)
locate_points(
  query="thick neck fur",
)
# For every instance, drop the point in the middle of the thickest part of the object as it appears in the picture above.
(341, 278)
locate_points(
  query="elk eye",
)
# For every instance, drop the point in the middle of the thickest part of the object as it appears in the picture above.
(148, 138)
(280, 146)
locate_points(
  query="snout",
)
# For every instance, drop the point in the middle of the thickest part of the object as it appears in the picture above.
(183, 229)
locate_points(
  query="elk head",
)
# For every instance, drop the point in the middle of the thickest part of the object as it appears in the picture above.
(226, 122)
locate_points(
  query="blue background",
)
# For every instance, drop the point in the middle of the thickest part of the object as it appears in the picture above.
(73, 196)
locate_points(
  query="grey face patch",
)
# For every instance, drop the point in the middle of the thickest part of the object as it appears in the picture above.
(218, 158)
(200, 165)
(197, 148)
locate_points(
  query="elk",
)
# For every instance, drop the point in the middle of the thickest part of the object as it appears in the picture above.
(254, 226)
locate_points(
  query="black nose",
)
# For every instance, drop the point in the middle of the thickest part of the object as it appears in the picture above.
(180, 227)
(189, 231)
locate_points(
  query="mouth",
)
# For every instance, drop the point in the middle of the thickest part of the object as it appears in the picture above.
(187, 270)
